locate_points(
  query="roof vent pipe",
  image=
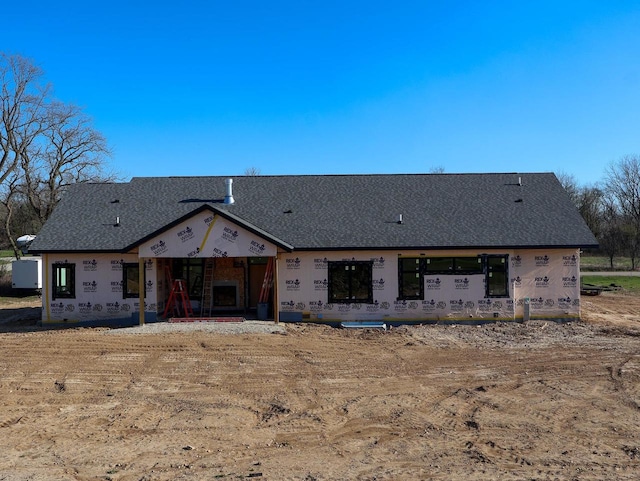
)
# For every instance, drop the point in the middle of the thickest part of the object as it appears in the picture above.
(228, 196)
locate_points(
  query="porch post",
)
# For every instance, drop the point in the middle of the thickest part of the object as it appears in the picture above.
(46, 286)
(141, 289)
(276, 300)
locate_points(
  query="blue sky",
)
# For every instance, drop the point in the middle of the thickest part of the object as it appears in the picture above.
(332, 87)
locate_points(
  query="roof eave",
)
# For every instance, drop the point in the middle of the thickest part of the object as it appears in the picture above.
(450, 247)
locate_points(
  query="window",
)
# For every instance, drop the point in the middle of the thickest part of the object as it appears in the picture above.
(411, 272)
(468, 265)
(64, 281)
(191, 270)
(410, 278)
(438, 265)
(350, 282)
(131, 280)
(497, 276)
(453, 265)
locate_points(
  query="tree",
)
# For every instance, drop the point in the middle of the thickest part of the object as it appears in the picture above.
(611, 236)
(71, 151)
(9, 205)
(570, 185)
(22, 98)
(45, 146)
(588, 200)
(252, 171)
(622, 184)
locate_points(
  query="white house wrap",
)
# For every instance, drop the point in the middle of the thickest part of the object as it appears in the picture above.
(548, 280)
(98, 289)
(206, 235)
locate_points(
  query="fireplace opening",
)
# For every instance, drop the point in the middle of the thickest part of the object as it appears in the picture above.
(225, 294)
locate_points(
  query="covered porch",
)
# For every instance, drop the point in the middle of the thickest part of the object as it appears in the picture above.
(209, 265)
(216, 287)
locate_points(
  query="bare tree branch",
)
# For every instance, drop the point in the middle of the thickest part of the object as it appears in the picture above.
(623, 187)
(251, 171)
(21, 101)
(45, 146)
(71, 151)
(8, 202)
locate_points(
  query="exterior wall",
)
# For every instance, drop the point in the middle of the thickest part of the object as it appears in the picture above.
(545, 281)
(548, 281)
(98, 291)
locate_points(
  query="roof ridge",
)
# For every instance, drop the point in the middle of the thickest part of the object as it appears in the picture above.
(396, 174)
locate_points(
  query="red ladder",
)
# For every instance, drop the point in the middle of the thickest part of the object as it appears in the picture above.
(177, 296)
(267, 283)
(167, 275)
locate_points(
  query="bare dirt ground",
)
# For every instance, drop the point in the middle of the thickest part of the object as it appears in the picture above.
(534, 401)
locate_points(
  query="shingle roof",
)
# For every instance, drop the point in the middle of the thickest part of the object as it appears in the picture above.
(329, 211)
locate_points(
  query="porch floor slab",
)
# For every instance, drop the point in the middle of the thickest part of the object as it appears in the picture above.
(207, 319)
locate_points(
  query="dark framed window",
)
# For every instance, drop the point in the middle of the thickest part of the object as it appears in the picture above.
(453, 265)
(64, 281)
(191, 270)
(411, 272)
(438, 265)
(497, 276)
(131, 280)
(350, 281)
(410, 278)
(468, 265)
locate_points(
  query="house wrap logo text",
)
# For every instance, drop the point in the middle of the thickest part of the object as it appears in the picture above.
(90, 266)
(256, 247)
(159, 247)
(185, 234)
(542, 260)
(293, 263)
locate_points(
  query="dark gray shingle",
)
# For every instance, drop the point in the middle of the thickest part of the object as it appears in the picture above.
(330, 211)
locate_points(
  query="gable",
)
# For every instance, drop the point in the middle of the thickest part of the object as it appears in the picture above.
(206, 234)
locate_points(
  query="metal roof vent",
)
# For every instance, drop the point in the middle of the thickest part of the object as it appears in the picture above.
(228, 196)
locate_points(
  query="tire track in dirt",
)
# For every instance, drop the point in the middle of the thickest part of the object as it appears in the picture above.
(497, 402)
